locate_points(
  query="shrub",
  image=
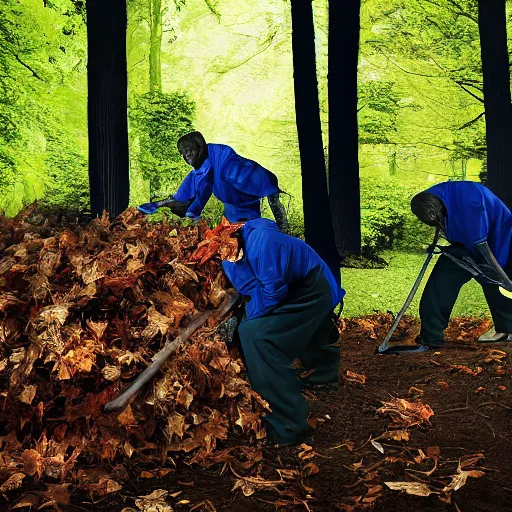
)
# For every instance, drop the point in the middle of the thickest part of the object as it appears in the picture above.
(386, 218)
(158, 120)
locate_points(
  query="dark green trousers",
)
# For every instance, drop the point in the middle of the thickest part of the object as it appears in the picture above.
(439, 297)
(300, 327)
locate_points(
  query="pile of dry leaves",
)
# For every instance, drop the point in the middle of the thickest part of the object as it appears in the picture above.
(82, 312)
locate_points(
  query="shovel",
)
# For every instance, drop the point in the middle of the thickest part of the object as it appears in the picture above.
(431, 251)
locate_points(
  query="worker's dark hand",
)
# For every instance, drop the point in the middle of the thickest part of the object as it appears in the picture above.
(179, 208)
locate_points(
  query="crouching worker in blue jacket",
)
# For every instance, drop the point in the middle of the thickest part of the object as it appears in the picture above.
(292, 295)
(479, 228)
(239, 183)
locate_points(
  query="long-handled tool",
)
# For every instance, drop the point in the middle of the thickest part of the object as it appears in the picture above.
(121, 401)
(431, 251)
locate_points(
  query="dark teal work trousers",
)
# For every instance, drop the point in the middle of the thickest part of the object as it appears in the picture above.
(301, 327)
(439, 297)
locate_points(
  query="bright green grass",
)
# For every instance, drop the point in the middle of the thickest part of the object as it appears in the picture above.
(386, 289)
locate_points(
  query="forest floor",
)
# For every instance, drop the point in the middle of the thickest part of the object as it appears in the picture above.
(461, 453)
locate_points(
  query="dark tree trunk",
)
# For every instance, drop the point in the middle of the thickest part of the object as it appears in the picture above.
(317, 214)
(498, 109)
(344, 192)
(107, 106)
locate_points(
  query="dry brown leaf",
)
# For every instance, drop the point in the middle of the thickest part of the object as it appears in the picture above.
(414, 488)
(307, 452)
(126, 417)
(466, 369)
(310, 469)
(356, 377)
(32, 462)
(407, 414)
(395, 435)
(415, 392)
(27, 501)
(28, 394)
(494, 355)
(154, 502)
(157, 324)
(13, 482)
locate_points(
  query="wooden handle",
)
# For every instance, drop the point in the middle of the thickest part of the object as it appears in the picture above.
(121, 401)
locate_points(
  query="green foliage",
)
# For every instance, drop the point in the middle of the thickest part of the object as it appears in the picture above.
(386, 219)
(42, 96)
(159, 120)
(212, 214)
(378, 112)
(68, 180)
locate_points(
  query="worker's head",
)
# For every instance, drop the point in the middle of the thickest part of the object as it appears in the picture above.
(193, 149)
(429, 209)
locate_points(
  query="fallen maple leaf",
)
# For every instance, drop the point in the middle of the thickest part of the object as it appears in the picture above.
(415, 392)
(442, 385)
(407, 414)
(356, 377)
(466, 369)
(154, 502)
(13, 482)
(28, 394)
(395, 435)
(310, 469)
(414, 488)
(494, 355)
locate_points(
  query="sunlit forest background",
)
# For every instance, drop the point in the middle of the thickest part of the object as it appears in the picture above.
(224, 67)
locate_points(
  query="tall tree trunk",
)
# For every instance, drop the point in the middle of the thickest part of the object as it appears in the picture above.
(492, 22)
(317, 214)
(107, 106)
(155, 49)
(344, 191)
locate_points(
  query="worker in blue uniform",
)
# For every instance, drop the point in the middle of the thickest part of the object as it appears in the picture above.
(237, 182)
(478, 226)
(292, 295)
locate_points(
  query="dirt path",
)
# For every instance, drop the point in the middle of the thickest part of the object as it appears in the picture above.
(471, 401)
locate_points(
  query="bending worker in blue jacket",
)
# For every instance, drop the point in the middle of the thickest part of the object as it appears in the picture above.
(237, 182)
(479, 226)
(292, 294)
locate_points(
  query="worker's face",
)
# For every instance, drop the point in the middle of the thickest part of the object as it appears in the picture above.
(194, 152)
(429, 209)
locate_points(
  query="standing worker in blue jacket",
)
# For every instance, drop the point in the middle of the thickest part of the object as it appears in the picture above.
(237, 182)
(292, 295)
(479, 226)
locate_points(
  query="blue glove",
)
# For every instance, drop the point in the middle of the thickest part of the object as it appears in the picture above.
(148, 208)
(191, 216)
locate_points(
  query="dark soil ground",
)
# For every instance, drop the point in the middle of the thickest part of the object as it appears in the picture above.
(465, 421)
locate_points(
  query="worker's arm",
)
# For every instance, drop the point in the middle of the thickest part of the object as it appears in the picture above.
(279, 213)
(490, 267)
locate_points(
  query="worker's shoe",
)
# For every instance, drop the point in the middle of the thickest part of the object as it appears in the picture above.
(407, 349)
(491, 336)
(328, 386)
(278, 435)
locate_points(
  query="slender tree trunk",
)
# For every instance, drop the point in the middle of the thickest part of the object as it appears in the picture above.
(344, 192)
(107, 106)
(317, 215)
(155, 50)
(492, 22)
